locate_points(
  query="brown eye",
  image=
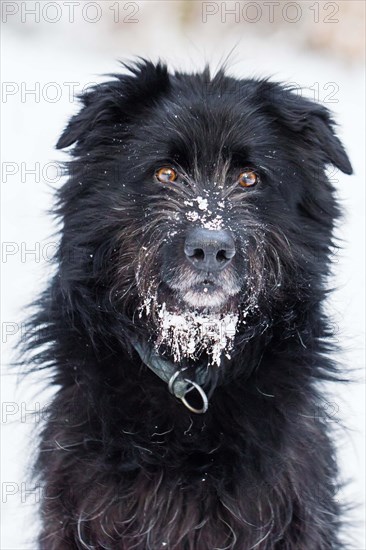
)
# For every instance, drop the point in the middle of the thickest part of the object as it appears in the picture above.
(166, 174)
(248, 178)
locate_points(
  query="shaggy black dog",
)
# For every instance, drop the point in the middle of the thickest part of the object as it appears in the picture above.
(185, 327)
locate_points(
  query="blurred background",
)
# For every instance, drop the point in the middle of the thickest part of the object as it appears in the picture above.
(53, 50)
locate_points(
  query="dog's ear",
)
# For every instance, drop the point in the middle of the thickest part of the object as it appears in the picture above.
(312, 123)
(114, 102)
(97, 107)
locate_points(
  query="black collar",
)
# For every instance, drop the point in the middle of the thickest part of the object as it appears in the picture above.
(175, 376)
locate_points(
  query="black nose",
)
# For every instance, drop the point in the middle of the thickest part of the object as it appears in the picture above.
(209, 250)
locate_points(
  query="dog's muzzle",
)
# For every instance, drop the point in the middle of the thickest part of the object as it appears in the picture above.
(209, 250)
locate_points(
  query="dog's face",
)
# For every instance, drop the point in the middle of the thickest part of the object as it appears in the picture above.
(199, 198)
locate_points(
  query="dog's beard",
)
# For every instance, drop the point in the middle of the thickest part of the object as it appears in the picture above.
(188, 334)
(185, 333)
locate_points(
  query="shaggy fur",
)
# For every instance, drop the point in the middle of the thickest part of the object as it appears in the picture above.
(124, 464)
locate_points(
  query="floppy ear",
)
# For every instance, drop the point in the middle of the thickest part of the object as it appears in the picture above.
(312, 123)
(322, 126)
(97, 108)
(115, 101)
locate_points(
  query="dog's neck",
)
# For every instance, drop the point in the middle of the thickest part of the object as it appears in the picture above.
(179, 379)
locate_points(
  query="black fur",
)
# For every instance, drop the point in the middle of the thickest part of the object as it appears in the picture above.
(124, 464)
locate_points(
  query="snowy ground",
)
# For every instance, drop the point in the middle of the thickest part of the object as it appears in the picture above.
(31, 126)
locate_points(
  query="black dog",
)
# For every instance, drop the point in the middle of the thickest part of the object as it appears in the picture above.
(185, 327)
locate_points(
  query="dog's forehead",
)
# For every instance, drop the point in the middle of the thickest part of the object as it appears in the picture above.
(210, 126)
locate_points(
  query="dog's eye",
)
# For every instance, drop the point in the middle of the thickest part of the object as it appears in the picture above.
(166, 174)
(248, 178)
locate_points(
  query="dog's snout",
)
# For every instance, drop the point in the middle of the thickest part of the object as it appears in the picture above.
(209, 250)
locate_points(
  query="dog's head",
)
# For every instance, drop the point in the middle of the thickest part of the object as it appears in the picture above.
(195, 200)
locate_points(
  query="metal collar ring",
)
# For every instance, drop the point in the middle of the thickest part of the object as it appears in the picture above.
(191, 386)
(203, 396)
